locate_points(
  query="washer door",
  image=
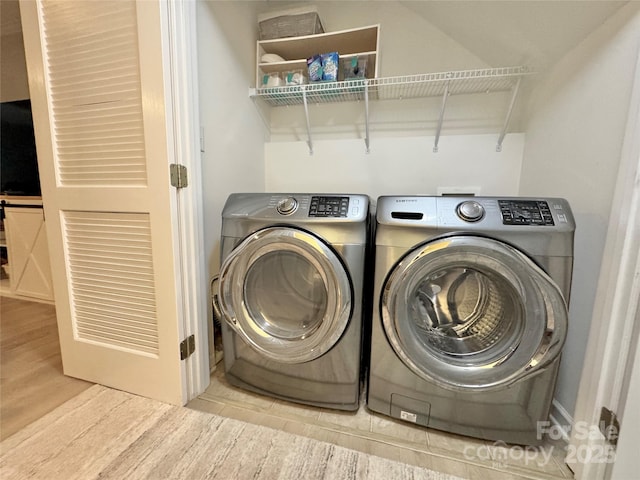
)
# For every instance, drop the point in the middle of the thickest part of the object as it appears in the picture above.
(286, 293)
(471, 312)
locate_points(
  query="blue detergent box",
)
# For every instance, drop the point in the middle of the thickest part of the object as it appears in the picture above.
(323, 67)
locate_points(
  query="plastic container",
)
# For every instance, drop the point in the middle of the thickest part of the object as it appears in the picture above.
(294, 77)
(353, 68)
(272, 80)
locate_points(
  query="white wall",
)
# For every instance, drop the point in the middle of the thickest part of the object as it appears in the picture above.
(234, 134)
(236, 157)
(401, 131)
(573, 147)
(396, 166)
(409, 44)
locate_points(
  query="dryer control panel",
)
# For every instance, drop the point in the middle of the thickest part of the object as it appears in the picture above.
(525, 212)
(298, 207)
(328, 206)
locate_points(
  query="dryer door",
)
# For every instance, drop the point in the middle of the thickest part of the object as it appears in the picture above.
(471, 312)
(286, 293)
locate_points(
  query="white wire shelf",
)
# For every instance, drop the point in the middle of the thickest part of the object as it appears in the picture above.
(408, 86)
(442, 84)
(329, 92)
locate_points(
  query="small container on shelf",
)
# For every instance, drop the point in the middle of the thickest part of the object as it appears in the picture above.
(353, 68)
(271, 80)
(294, 77)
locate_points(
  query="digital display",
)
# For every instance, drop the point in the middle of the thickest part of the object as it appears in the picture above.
(525, 212)
(329, 206)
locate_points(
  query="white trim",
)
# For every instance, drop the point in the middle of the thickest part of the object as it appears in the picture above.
(626, 464)
(606, 365)
(179, 19)
(561, 419)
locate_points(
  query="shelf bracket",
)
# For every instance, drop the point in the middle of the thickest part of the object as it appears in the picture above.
(366, 115)
(306, 114)
(442, 108)
(503, 133)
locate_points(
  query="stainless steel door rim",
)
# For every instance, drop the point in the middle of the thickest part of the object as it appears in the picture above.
(286, 293)
(469, 312)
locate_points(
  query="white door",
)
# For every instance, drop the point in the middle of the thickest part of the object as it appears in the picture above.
(97, 88)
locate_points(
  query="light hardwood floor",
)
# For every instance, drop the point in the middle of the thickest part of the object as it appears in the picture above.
(31, 379)
(386, 437)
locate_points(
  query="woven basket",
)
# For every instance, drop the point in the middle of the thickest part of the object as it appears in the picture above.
(295, 25)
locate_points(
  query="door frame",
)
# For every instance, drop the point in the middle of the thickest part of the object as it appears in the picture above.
(613, 337)
(178, 24)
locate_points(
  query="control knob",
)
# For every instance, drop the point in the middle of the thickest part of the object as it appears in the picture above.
(470, 211)
(287, 206)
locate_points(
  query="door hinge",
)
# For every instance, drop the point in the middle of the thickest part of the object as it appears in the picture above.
(609, 426)
(178, 175)
(187, 347)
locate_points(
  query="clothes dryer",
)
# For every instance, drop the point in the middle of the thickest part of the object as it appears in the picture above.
(470, 312)
(290, 295)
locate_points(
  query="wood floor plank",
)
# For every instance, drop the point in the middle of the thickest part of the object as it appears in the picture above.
(31, 379)
(105, 434)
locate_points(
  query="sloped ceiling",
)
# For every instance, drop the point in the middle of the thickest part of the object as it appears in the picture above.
(517, 32)
(536, 33)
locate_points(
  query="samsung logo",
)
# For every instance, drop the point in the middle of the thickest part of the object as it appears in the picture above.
(406, 200)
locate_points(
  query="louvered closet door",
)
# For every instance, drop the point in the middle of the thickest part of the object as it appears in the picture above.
(96, 80)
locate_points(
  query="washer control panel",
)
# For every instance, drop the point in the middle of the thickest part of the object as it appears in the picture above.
(476, 213)
(525, 212)
(328, 206)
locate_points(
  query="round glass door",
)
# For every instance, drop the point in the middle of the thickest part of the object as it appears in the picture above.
(286, 293)
(471, 312)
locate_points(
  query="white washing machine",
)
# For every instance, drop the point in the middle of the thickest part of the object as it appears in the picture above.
(290, 295)
(470, 312)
